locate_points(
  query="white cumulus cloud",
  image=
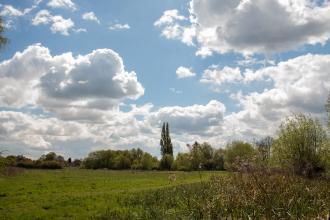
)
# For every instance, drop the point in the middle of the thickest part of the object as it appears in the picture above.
(67, 85)
(68, 4)
(216, 76)
(58, 24)
(90, 16)
(248, 27)
(184, 72)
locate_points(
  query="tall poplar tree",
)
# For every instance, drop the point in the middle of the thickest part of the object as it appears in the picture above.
(327, 106)
(3, 40)
(165, 141)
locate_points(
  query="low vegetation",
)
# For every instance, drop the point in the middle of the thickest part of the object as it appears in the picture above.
(73, 193)
(237, 196)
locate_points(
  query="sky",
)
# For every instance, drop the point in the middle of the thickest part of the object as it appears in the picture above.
(79, 76)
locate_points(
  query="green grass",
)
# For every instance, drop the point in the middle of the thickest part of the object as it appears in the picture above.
(236, 196)
(78, 194)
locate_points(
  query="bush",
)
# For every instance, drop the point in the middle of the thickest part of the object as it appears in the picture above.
(29, 164)
(302, 146)
(50, 165)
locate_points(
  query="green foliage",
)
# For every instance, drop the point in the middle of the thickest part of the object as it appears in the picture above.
(302, 146)
(49, 165)
(128, 159)
(238, 152)
(148, 162)
(77, 193)
(218, 159)
(49, 161)
(3, 162)
(182, 162)
(327, 107)
(252, 196)
(264, 150)
(3, 40)
(200, 157)
(165, 141)
(166, 162)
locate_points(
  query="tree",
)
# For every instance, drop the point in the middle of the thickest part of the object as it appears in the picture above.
(327, 107)
(50, 156)
(195, 156)
(166, 148)
(183, 162)
(147, 161)
(3, 40)
(238, 152)
(122, 162)
(302, 146)
(264, 148)
(165, 141)
(218, 159)
(69, 162)
(166, 163)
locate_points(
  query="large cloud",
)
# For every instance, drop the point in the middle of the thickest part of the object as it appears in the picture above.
(66, 84)
(190, 119)
(301, 84)
(216, 76)
(20, 75)
(260, 26)
(37, 133)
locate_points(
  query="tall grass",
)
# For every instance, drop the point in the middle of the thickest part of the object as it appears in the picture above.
(238, 196)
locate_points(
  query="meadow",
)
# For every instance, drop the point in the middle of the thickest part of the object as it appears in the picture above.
(79, 193)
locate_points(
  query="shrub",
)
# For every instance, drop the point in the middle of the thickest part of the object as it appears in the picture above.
(302, 146)
(50, 165)
(28, 164)
(238, 152)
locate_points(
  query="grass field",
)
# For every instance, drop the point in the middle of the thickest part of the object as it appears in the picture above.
(78, 194)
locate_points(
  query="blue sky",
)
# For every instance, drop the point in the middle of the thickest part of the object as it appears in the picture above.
(249, 65)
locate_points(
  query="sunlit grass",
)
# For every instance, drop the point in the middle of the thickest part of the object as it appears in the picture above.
(77, 194)
(235, 196)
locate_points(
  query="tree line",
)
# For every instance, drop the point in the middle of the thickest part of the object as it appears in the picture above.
(301, 146)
